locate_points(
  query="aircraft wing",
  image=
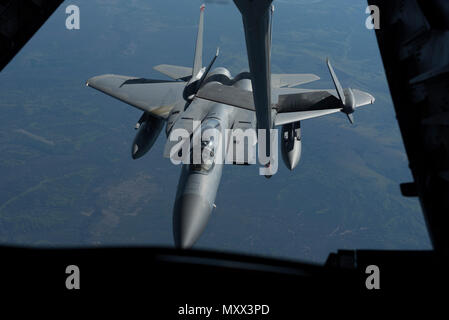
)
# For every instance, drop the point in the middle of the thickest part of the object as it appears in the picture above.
(292, 80)
(308, 104)
(154, 96)
(292, 104)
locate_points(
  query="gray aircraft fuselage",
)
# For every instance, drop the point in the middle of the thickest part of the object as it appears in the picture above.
(197, 187)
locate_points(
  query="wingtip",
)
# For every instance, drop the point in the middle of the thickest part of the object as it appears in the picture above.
(91, 81)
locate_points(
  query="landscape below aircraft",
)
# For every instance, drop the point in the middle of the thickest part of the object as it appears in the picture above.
(215, 99)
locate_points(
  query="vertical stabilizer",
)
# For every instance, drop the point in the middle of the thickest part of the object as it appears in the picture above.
(198, 60)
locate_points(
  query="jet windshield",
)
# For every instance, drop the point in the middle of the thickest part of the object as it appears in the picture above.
(208, 147)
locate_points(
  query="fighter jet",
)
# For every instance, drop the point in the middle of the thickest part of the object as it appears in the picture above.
(201, 98)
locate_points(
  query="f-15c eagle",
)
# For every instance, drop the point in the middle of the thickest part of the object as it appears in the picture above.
(212, 98)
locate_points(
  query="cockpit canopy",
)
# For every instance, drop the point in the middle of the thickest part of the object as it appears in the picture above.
(209, 147)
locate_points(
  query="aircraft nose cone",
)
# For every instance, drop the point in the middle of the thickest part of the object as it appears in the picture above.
(190, 216)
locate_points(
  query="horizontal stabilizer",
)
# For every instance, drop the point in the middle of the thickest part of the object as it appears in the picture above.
(175, 72)
(292, 80)
(362, 98)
